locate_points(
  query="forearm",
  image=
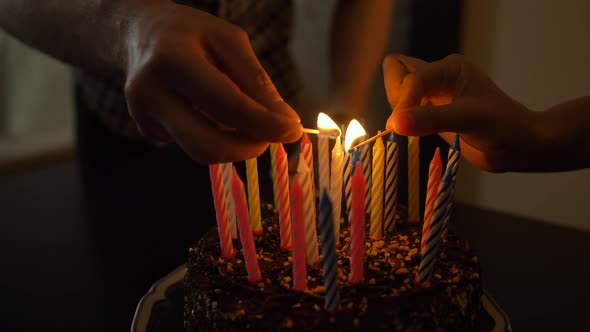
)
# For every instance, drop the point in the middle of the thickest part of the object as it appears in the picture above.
(360, 32)
(87, 33)
(565, 136)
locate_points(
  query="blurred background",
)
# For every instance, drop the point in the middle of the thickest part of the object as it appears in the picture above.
(538, 52)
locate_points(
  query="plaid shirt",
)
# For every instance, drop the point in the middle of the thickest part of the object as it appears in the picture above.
(268, 24)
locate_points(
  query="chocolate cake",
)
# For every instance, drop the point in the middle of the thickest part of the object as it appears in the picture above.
(218, 296)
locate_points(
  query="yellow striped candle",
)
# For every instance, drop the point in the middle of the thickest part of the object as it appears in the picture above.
(414, 179)
(378, 173)
(253, 195)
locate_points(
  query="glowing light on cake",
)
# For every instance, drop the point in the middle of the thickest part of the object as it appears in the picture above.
(354, 133)
(325, 125)
(391, 162)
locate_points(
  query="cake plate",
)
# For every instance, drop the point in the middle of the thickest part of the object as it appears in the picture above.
(161, 308)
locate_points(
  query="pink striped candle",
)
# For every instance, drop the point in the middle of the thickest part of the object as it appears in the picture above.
(225, 241)
(298, 224)
(311, 235)
(283, 207)
(357, 226)
(434, 174)
(245, 229)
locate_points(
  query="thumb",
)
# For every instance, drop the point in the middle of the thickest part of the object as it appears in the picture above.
(429, 120)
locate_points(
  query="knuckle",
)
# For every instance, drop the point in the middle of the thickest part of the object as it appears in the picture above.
(236, 33)
(457, 58)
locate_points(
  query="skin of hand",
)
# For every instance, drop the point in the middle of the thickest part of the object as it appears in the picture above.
(190, 77)
(452, 96)
(194, 79)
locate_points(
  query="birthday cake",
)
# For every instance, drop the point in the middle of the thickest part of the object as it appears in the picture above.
(219, 296)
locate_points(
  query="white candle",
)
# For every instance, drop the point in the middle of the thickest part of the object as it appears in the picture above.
(336, 184)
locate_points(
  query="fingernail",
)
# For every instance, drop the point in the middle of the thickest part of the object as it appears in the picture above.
(403, 122)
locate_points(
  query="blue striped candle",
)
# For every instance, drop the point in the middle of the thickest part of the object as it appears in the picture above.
(453, 165)
(329, 253)
(391, 163)
(432, 242)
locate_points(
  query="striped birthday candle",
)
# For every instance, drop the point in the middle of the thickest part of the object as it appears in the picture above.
(311, 235)
(227, 173)
(365, 154)
(336, 185)
(346, 178)
(378, 173)
(253, 195)
(429, 252)
(225, 241)
(307, 151)
(284, 205)
(298, 227)
(273, 167)
(453, 164)
(391, 162)
(331, 284)
(434, 174)
(245, 229)
(357, 223)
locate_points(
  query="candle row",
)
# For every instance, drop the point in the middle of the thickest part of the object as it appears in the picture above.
(368, 190)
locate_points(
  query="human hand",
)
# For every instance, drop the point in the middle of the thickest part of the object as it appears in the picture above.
(452, 96)
(194, 79)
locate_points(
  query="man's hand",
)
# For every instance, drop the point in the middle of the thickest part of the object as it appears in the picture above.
(194, 79)
(497, 133)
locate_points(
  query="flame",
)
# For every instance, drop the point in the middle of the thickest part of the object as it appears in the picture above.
(327, 126)
(354, 131)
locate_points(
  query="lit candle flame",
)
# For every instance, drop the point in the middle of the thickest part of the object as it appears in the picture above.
(354, 131)
(327, 126)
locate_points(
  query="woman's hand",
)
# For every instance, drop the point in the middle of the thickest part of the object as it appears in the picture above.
(194, 79)
(452, 96)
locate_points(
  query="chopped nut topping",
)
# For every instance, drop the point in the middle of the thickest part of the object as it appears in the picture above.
(402, 271)
(316, 307)
(289, 323)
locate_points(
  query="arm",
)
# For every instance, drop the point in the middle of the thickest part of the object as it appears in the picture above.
(190, 77)
(498, 134)
(359, 35)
